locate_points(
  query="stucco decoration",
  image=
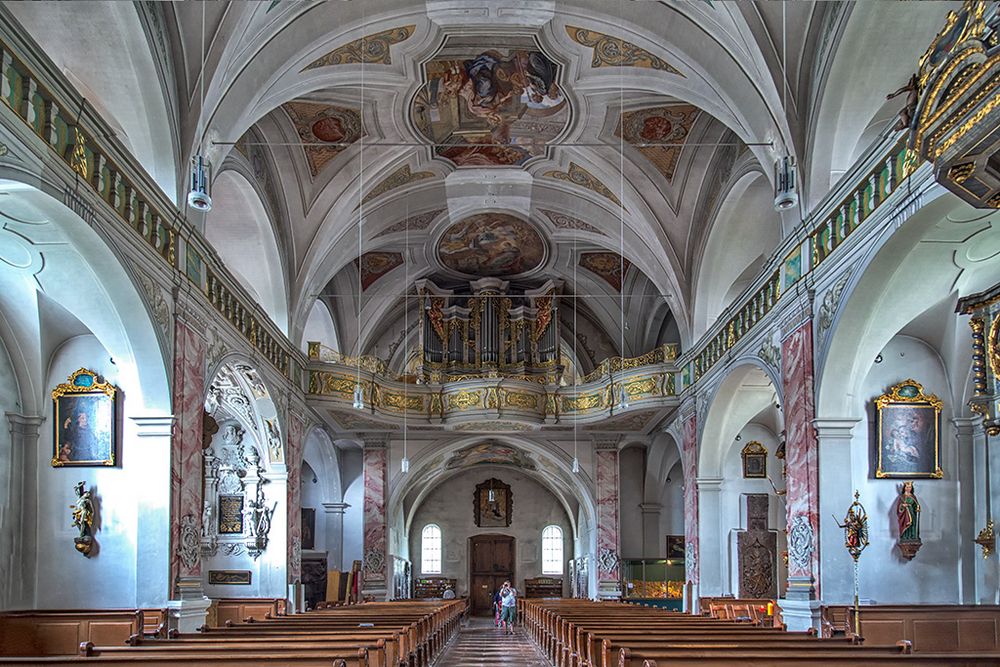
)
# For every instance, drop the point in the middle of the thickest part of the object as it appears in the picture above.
(831, 301)
(397, 179)
(371, 49)
(645, 128)
(318, 124)
(490, 101)
(415, 223)
(491, 244)
(611, 51)
(800, 542)
(490, 453)
(580, 176)
(374, 265)
(563, 221)
(609, 266)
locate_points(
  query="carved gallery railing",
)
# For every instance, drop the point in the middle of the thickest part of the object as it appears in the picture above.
(56, 113)
(837, 222)
(484, 403)
(489, 332)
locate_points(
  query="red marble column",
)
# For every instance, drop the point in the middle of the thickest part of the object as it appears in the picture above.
(802, 461)
(689, 463)
(186, 460)
(606, 469)
(293, 461)
(374, 512)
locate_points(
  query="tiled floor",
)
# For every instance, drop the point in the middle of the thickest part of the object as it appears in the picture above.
(479, 643)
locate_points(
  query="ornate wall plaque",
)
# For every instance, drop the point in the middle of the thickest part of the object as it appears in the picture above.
(229, 577)
(231, 514)
(754, 460)
(757, 549)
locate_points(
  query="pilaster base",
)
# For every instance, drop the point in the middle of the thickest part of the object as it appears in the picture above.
(187, 615)
(296, 598)
(800, 615)
(374, 590)
(609, 590)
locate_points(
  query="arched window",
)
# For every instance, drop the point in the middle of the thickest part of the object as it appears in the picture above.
(552, 550)
(430, 549)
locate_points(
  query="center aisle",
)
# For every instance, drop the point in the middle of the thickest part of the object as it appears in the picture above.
(480, 643)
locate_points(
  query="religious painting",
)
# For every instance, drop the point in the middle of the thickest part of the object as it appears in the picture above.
(84, 413)
(608, 265)
(675, 547)
(493, 504)
(308, 528)
(324, 129)
(374, 265)
(229, 577)
(491, 244)
(490, 453)
(493, 104)
(659, 133)
(754, 460)
(908, 432)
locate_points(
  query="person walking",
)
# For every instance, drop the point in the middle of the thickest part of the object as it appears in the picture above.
(508, 607)
(496, 608)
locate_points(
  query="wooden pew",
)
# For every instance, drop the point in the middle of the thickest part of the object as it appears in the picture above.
(61, 631)
(237, 610)
(399, 634)
(931, 628)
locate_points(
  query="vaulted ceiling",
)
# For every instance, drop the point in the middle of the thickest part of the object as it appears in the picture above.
(394, 140)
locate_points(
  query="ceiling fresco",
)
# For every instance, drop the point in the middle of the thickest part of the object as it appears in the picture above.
(374, 265)
(316, 124)
(610, 266)
(491, 244)
(659, 125)
(496, 106)
(491, 453)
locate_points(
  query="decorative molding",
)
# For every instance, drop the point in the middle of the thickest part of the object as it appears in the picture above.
(610, 51)
(158, 305)
(831, 301)
(397, 179)
(371, 49)
(801, 542)
(190, 541)
(415, 223)
(580, 176)
(563, 221)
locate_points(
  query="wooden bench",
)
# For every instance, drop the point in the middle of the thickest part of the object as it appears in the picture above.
(931, 628)
(61, 631)
(399, 634)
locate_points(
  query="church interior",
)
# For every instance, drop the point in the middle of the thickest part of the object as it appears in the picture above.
(680, 316)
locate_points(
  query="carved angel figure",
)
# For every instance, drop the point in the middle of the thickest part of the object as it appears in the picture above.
(83, 511)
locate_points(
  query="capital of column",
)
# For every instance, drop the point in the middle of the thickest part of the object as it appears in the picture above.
(968, 426)
(650, 508)
(709, 484)
(335, 508)
(375, 440)
(836, 428)
(155, 426)
(24, 425)
(606, 441)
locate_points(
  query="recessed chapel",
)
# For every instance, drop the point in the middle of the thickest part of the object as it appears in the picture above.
(323, 322)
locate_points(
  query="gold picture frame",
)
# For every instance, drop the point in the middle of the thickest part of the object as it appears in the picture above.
(908, 432)
(754, 456)
(85, 421)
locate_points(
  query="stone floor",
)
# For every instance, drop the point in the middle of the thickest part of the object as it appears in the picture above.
(479, 643)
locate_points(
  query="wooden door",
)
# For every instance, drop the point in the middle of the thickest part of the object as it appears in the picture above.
(491, 562)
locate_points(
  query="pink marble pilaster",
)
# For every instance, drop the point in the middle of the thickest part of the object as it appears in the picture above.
(375, 468)
(293, 461)
(185, 456)
(606, 468)
(689, 463)
(802, 461)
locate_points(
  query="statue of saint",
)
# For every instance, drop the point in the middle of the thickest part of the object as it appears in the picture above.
(83, 519)
(906, 114)
(908, 517)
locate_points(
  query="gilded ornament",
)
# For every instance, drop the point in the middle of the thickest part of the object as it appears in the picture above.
(961, 172)
(580, 176)
(464, 400)
(397, 179)
(370, 49)
(615, 52)
(519, 400)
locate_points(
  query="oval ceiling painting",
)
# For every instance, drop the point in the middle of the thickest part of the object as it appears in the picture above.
(491, 244)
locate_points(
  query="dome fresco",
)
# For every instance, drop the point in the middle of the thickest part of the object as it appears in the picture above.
(491, 244)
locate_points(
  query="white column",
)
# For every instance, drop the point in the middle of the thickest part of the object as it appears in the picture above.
(653, 544)
(152, 565)
(836, 492)
(712, 548)
(18, 517)
(335, 534)
(987, 569)
(969, 437)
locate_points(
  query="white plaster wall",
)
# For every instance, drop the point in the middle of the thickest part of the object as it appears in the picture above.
(672, 510)
(450, 506)
(733, 505)
(354, 522)
(631, 474)
(65, 578)
(9, 505)
(885, 577)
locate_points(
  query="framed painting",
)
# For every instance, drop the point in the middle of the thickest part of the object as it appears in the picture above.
(907, 429)
(675, 547)
(229, 577)
(308, 527)
(754, 460)
(493, 504)
(84, 411)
